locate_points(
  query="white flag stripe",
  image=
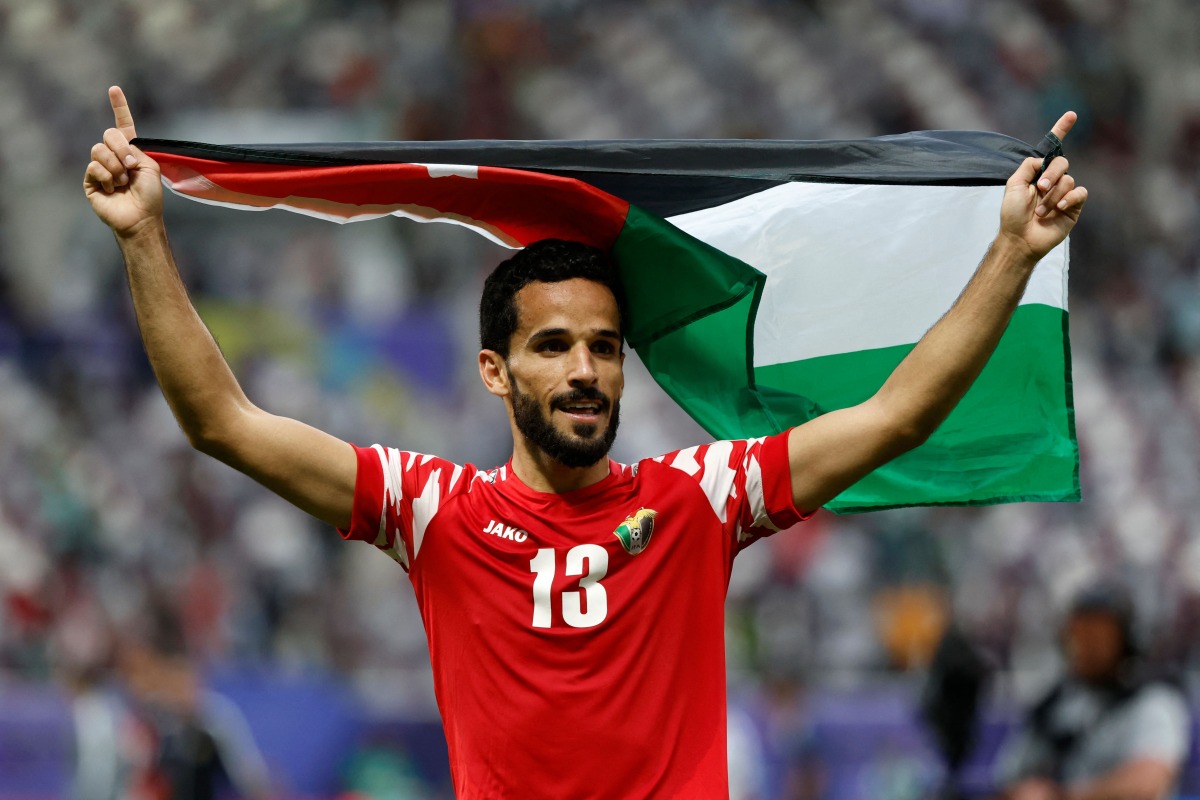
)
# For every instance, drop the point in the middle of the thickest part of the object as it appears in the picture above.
(447, 170)
(856, 267)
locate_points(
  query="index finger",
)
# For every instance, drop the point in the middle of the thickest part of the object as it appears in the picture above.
(1064, 125)
(121, 114)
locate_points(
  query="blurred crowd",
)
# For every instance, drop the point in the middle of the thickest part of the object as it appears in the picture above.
(109, 523)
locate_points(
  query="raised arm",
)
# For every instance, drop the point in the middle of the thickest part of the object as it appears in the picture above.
(305, 466)
(833, 451)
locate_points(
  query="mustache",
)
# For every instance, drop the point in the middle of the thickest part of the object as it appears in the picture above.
(579, 395)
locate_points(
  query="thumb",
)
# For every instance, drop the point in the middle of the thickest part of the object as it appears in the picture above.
(142, 159)
(1026, 173)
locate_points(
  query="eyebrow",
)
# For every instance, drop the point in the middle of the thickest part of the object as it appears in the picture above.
(547, 333)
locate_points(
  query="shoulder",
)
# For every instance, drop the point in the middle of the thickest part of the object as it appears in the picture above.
(1159, 723)
(1162, 700)
(714, 466)
(407, 474)
(746, 481)
(717, 458)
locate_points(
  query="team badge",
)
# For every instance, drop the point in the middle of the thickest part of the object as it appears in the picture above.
(636, 530)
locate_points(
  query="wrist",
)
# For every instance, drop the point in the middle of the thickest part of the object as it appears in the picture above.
(145, 230)
(1014, 250)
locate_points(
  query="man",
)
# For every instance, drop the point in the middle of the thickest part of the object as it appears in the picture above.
(573, 605)
(192, 738)
(1103, 732)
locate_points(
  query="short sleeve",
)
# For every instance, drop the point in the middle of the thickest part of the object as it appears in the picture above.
(746, 481)
(397, 493)
(767, 506)
(1159, 726)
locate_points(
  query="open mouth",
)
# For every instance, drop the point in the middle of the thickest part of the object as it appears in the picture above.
(582, 410)
(582, 407)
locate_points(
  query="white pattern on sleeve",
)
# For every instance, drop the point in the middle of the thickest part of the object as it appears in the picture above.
(755, 497)
(425, 507)
(391, 541)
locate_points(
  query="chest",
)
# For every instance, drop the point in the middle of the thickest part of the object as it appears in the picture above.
(637, 554)
(1104, 734)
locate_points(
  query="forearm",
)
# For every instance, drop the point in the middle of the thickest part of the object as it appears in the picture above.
(927, 385)
(193, 374)
(1141, 779)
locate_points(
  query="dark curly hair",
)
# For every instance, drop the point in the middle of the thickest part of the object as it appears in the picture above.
(547, 261)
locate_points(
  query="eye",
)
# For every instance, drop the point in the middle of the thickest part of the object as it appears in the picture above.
(604, 348)
(551, 346)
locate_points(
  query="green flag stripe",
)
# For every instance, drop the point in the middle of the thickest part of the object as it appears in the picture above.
(691, 319)
(1011, 438)
(672, 279)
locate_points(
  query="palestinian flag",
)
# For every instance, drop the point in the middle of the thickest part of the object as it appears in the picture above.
(768, 281)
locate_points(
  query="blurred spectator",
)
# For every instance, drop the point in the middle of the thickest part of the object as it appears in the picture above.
(106, 746)
(198, 738)
(1105, 730)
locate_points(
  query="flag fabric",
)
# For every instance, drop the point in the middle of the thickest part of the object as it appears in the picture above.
(768, 282)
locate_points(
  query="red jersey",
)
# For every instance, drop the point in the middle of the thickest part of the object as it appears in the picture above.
(577, 639)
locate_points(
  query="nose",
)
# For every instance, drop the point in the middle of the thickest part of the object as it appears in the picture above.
(582, 368)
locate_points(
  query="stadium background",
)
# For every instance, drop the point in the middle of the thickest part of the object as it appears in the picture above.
(110, 525)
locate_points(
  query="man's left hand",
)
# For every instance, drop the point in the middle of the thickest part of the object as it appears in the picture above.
(1037, 217)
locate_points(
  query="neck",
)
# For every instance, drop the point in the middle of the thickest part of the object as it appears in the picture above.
(542, 473)
(1103, 680)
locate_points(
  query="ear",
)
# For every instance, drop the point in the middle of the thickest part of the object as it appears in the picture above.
(493, 373)
(621, 388)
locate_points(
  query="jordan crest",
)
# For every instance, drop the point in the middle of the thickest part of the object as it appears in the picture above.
(636, 530)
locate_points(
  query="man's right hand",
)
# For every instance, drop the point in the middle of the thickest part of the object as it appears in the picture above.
(122, 183)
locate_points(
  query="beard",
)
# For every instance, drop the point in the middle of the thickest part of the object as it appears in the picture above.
(586, 447)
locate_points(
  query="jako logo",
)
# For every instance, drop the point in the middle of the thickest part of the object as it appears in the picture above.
(505, 532)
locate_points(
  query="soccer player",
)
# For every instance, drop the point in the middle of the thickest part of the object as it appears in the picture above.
(573, 605)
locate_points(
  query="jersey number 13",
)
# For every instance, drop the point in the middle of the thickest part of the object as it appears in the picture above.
(585, 607)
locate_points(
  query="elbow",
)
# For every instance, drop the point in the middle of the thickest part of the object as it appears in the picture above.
(211, 436)
(910, 434)
(903, 426)
(205, 439)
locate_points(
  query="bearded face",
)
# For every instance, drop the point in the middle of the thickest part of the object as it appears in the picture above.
(579, 440)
